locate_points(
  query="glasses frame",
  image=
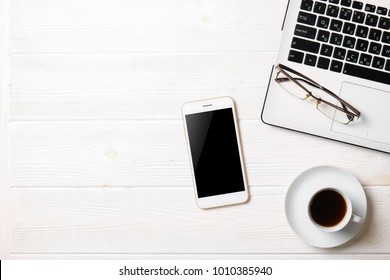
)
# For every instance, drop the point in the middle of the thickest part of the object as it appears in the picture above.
(346, 108)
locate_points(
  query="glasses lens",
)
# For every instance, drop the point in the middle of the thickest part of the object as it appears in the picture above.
(333, 113)
(291, 87)
(303, 88)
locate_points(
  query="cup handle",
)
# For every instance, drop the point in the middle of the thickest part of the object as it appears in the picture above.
(356, 219)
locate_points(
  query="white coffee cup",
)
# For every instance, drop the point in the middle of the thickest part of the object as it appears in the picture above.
(330, 210)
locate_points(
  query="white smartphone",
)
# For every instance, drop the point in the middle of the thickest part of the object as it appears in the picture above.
(213, 141)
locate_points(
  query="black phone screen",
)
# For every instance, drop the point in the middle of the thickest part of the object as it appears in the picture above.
(215, 154)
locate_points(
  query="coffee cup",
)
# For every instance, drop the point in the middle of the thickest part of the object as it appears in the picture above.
(330, 210)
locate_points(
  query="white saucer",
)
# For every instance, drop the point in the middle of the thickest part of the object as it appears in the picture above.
(309, 182)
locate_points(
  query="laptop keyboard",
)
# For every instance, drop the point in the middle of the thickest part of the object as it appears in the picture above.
(343, 36)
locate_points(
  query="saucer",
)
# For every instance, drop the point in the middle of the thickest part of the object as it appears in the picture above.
(302, 189)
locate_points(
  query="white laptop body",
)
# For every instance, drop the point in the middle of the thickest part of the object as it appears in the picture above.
(371, 98)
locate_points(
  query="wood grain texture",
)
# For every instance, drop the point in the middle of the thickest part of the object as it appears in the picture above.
(153, 153)
(56, 26)
(133, 86)
(4, 118)
(166, 220)
(97, 157)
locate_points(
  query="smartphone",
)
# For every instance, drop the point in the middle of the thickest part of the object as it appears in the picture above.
(216, 159)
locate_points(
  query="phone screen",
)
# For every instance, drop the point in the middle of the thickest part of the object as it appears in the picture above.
(215, 154)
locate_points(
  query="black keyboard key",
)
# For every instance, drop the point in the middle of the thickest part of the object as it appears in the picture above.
(345, 14)
(365, 59)
(352, 56)
(349, 28)
(384, 23)
(336, 39)
(366, 73)
(332, 11)
(378, 62)
(346, 3)
(323, 63)
(323, 22)
(375, 34)
(357, 5)
(386, 37)
(307, 18)
(386, 51)
(387, 66)
(339, 53)
(305, 45)
(295, 56)
(310, 60)
(370, 8)
(361, 31)
(307, 5)
(336, 66)
(358, 17)
(319, 8)
(381, 11)
(323, 36)
(349, 42)
(336, 25)
(372, 20)
(375, 48)
(326, 50)
(362, 45)
(305, 31)
(334, 1)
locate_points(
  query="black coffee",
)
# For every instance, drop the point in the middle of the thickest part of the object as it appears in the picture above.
(328, 208)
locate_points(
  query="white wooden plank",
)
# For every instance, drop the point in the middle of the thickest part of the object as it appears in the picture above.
(128, 86)
(120, 154)
(166, 220)
(153, 153)
(203, 256)
(56, 26)
(4, 117)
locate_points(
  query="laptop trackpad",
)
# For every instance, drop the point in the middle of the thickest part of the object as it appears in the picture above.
(374, 106)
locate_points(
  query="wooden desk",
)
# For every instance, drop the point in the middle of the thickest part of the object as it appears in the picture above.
(93, 156)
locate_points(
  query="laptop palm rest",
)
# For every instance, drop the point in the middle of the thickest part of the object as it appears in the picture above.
(374, 121)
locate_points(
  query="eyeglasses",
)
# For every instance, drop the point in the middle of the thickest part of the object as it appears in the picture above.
(327, 102)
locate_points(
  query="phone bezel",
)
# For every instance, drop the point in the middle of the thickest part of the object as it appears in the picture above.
(208, 105)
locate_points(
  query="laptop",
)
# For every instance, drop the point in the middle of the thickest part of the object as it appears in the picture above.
(344, 46)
